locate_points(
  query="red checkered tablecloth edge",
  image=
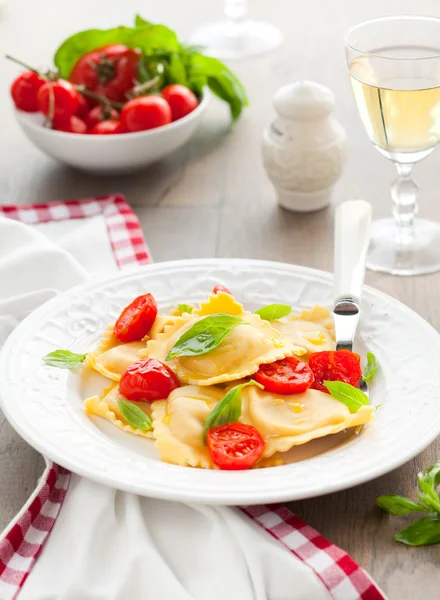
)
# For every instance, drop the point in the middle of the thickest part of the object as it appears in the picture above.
(23, 539)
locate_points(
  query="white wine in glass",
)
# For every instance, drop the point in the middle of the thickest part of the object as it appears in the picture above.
(394, 67)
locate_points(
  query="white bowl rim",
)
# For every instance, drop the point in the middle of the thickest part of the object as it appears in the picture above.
(21, 116)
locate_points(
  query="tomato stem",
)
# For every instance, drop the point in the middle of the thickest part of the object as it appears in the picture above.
(23, 64)
(140, 88)
(101, 99)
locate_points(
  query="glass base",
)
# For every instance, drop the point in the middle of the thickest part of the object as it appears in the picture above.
(231, 41)
(421, 257)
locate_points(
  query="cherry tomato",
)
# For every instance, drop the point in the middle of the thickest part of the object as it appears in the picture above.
(234, 446)
(98, 114)
(24, 90)
(181, 99)
(148, 379)
(286, 376)
(110, 71)
(83, 107)
(221, 288)
(136, 320)
(145, 112)
(71, 124)
(340, 365)
(109, 127)
(58, 99)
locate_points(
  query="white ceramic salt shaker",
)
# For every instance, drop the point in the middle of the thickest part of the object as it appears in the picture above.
(304, 149)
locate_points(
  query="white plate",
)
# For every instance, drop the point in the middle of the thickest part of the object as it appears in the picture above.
(45, 404)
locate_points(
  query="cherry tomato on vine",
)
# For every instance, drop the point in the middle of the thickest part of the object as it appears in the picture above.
(234, 446)
(286, 376)
(71, 124)
(83, 107)
(110, 71)
(58, 99)
(109, 127)
(340, 365)
(181, 99)
(221, 288)
(136, 320)
(98, 114)
(145, 112)
(24, 91)
(148, 379)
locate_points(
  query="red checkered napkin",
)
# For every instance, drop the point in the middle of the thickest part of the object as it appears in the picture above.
(24, 538)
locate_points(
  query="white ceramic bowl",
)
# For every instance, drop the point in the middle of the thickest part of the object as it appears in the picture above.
(111, 153)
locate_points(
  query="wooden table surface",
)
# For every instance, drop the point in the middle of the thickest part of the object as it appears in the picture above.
(212, 198)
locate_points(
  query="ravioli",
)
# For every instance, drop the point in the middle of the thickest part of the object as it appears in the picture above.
(113, 362)
(106, 406)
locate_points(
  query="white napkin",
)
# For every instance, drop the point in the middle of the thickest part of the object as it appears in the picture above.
(111, 545)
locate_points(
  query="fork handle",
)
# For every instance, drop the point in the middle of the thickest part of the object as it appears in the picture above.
(352, 229)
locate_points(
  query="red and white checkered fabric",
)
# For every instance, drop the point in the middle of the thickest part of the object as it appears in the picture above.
(24, 538)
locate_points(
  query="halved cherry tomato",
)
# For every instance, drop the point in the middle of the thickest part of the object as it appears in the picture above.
(286, 376)
(109, 127)
(136, 320)
(221, 288)
(110, 71)
(58, 99)
(145, 112)
(83, 107)
(24, 90)
(148, 379)
(181, 99)
(234, 446)
(71, 124)
(340, 365)
(98, 114)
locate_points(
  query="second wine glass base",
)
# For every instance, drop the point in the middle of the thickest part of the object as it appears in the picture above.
(422, 257)
(232, 41)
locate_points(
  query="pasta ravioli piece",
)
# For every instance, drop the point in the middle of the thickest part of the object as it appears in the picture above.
(220, 303)
(178, 425)
(106, 406)
(114, 361)
(286, 421)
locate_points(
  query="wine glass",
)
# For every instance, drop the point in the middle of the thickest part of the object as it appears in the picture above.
(237, 37)
(394, 67)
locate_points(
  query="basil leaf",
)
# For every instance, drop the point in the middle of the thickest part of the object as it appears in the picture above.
(423, 532)
(204, 336)
(64, 359)
(185, 308)
(398, 505)
(135, 415)
(228, 410)
(271, 312)
(428, 480)
(176, 70)
(352, 397)
(140, 22)
(371, 368)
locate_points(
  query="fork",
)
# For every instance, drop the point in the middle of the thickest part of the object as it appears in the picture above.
(352, 234)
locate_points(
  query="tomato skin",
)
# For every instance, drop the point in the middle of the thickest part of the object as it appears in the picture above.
(98, 114)
(286, 376)
(221, 288)
(145, 112)
(24, 91)
(181, 99)
(71, 124)
(109, 127)
(110, 71)
(340, 365)
(83, 107)
(226, 441)
(65, 99)
(136, 320)
(148, 379)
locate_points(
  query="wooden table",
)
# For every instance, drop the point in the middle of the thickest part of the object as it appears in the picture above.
(212, 198)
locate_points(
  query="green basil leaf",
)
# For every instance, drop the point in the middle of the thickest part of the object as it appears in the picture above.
(423, 532)
(176, 72)
(428, 480)
(228, 410)
(352, 397)
(271, 312)
(185, 308)
(140, 22)
(371, 368)
(204, 336)
(64, 359)
(398, 505)
(135, 415)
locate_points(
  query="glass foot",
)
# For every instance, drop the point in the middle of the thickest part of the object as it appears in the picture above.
(422, 256)
(231, 41)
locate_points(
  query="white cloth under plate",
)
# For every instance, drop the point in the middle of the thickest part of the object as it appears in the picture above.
(111, 545)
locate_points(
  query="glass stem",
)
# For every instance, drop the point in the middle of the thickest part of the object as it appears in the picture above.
(404, 195)
(236, 11)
